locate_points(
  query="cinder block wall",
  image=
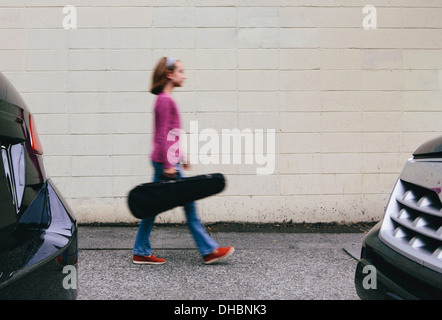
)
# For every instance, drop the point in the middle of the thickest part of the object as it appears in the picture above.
(349, 104)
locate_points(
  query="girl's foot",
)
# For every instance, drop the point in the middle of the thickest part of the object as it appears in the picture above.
(147, 259)
(218, 254)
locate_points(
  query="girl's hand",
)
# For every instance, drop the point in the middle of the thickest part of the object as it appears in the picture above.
(186, 166)
(170, 172)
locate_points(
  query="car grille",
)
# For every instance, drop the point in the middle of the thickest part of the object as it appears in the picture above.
(412, 224)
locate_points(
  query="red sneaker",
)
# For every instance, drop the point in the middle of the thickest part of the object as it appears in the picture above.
(218, 254)
(148, 260)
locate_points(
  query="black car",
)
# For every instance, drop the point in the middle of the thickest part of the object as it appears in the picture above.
(38, 231)
(401, 256)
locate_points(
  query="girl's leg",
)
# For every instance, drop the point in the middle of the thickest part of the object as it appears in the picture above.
(203, 241)
(142, 245)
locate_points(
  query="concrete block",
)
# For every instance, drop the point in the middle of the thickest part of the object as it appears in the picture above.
(132, 38)
(173, 17)
(258, 38)
(258, 17)
(213, 17)
(253, 59)
(134, 17)
(261, 80)
(91, 166)
(214, 38)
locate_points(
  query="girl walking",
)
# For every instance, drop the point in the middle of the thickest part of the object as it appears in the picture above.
(169, 74)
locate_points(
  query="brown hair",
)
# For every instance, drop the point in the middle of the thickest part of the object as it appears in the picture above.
(159, 78)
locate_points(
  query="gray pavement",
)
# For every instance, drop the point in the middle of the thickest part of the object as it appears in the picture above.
(265, 266)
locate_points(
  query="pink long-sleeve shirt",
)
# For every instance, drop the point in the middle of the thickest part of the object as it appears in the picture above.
(166, 122)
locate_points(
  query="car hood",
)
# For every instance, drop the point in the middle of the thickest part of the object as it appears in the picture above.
(430, 149)
(425, 174)
(424, 169)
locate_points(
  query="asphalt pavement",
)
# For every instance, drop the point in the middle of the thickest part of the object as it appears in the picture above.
(266, 265)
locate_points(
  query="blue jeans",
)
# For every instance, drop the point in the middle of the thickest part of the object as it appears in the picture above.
(203, 241)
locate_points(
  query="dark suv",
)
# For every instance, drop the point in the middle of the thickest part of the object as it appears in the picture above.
(38, 232)
(401, 256)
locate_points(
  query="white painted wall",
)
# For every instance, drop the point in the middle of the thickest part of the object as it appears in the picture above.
(349, 105)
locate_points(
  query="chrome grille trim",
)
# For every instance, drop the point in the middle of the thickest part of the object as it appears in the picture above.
(412, 224)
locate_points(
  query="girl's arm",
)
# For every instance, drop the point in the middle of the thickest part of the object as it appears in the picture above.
(163, 119)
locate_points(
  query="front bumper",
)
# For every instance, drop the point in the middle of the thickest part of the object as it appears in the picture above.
(396, 276)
